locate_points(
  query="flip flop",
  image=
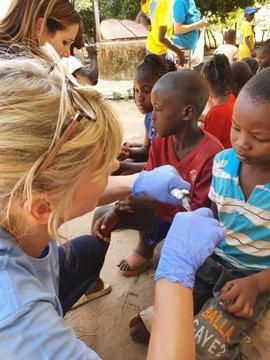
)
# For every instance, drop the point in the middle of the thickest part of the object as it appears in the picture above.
(102, 288)
(140, 326)
(126, 270)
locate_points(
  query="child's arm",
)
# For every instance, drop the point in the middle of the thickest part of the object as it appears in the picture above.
(140, 153)
(239, 296)
(199, 195)
(248, 43)
(89, 73)
(214, 209)
(167, 42)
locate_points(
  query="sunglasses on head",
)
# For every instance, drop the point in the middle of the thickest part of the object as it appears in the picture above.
(82, 110)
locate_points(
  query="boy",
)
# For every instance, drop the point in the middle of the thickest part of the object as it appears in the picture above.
(247, 38)
(239, 273)
(178, 99)
(232, 287)
(264, 55)
(228, 48)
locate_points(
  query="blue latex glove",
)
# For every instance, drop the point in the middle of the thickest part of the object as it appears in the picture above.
(158, 183)
(192, 237)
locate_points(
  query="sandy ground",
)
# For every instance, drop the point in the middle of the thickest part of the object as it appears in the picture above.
(103, 323)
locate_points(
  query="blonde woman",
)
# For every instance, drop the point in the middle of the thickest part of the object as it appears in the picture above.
(58, 146)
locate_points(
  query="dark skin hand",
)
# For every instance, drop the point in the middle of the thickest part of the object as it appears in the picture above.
(137, 203)
(105, 225)
(239, 296)
(166, 42)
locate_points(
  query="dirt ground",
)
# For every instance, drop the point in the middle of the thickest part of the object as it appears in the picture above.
(103, 323)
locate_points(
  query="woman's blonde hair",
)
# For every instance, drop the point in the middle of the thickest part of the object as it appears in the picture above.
(19, 25)
(34, 110)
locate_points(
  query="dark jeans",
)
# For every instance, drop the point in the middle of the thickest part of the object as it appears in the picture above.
(81, 260)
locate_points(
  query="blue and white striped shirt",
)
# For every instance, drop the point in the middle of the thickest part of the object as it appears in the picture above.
(246, 222)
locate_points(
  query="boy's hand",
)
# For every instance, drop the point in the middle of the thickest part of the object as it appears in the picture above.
(105, 225)
(136, 203)
(239, 297)
(180, 57)
(124, 153)
(91, 50)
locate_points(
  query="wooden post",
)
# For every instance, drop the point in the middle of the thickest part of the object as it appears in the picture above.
(97, 20)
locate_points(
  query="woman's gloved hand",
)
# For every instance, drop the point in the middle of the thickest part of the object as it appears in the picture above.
(158, 183)
(192, 237)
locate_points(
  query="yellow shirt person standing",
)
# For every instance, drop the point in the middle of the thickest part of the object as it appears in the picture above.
(160, 12)
(159, 41)
(247, 37)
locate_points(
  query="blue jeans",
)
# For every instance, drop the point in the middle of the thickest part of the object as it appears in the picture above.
(80, 260)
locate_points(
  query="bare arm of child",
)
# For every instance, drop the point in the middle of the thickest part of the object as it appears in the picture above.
(167, 42)
(140, 153)
(251, 49)
(134, 204)
(89, 74)
(103, 226)
(134, 212)
(213, 207)
(239, 296)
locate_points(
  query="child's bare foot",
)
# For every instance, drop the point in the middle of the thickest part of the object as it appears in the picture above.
(140, 326)
(134, 264)
(138, 331)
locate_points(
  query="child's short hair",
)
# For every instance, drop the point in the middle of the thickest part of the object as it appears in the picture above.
(229, 35)
(218, 72)
(35, 109)
(154, 65)
(252, 63)
(241, 74)
(187, 85)
(266, 46)
(257, 89)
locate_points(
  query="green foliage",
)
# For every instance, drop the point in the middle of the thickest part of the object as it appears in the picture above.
(109, 9)
(119, 9)
(219, 10)
(86, 11)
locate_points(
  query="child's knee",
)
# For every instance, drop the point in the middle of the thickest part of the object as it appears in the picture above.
(157, 253)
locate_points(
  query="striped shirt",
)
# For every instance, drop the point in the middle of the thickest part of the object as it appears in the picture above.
(246, 222)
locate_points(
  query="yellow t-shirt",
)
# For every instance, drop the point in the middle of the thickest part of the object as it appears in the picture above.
(160, 15)
(145, 8)
(246, 31)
